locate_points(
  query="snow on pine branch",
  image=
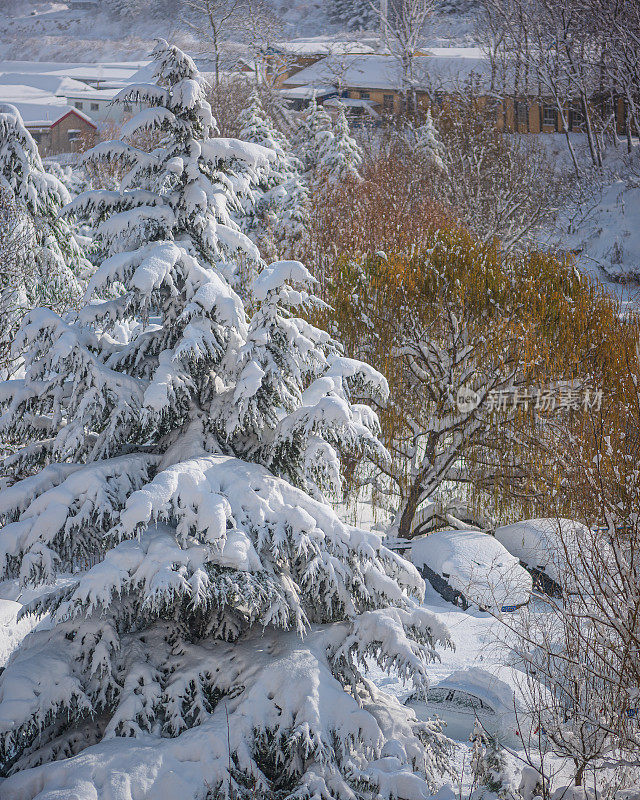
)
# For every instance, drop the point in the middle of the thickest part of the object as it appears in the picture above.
(150, 120)
(276, 691)
(169, 443)
(272, 523)
(147, 93)
(50, 514)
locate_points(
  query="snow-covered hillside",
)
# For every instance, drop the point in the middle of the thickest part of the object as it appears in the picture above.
(40, 30)
(50, 31)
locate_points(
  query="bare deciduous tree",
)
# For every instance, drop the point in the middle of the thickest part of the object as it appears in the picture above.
(214, 23)
(402, 29)
(501, 186)
(557, 50)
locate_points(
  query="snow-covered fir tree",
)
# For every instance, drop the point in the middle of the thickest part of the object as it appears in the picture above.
(209, 615)
(340, 154)
(49, 271)
(276, 207)
(314, 123)
(354, 15)
(428, 144)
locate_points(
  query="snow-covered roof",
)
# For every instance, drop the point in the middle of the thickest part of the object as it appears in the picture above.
(20, 93)
(321, 45)
(475, 564)
(51, 84)
(307, 92)
(541, 543)
(115, 73)
(443, 69)
(46, 114)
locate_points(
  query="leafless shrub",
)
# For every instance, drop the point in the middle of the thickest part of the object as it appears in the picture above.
(501, 185)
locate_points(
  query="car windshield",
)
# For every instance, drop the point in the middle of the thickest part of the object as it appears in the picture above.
(438, 695)
(470, 702)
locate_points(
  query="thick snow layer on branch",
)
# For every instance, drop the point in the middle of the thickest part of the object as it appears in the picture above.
(210, 499)
(186, 93)
(159, 257)
(278, 275)
(69, 498)
(115, 148)
(273, 687)
(16, 498)
(149, 119)
(223, 149)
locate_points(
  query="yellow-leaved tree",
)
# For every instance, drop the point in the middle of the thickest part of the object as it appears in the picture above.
(480, 350)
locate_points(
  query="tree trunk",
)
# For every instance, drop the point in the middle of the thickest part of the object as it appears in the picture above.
(409, 510)
(593, 149)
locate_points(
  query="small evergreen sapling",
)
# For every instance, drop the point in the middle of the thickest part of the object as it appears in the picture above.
(276, 208)
(340, 154)
(314, 124)
(489, 766)
(204, 602)
(428, 144)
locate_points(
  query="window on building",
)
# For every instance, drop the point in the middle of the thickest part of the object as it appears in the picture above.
(387, 103)
(576, 119)
(522, 112)
(549, 116)
(365, 96)
(94, 106)
(73, 135)
(78, 104)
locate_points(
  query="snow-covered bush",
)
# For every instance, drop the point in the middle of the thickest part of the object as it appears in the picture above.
(204, 602)
(314, 124)
(276, 213)
(340, 154)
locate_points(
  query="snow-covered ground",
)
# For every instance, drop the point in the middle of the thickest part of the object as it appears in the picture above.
(600, 223)
(476, 637)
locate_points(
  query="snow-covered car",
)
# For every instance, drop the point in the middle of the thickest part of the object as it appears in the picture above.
(472, 568)
(496, 696)
(542, 546)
